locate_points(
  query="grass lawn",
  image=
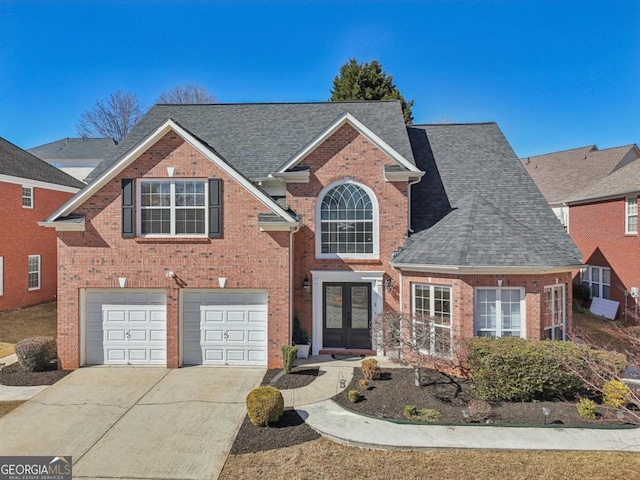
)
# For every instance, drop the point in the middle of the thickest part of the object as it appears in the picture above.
(605, 333)
(6, 407)
(324, 459)
(24, 323)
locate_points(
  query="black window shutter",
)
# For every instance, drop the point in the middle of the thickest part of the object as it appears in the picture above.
(128, 207)
(215, 208)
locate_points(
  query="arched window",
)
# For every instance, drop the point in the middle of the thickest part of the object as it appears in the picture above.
(348, 221)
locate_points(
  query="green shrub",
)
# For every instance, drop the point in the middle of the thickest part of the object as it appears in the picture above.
(421, 415)
(364, 384)
(289, 354)
(587, 409)
(509, 368)
(615, 393)
(581, 292)
(36, 353)
(354, 396)
(370, 369)
(265, 405)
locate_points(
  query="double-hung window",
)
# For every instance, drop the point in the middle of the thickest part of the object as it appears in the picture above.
(554, 312)
(172, 208)
(27, 197)
(598, 279)
(34, 272)
(631, 215)
(499, 312)
(432, 318)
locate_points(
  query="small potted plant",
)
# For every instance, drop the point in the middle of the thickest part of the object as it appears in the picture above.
(301, 338)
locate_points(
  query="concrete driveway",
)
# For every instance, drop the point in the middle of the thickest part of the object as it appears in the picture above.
(128, 422)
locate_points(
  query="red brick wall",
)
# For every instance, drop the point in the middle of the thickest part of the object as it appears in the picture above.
(598, 231)
(20, 236)
(346, 154)
(247, 257)
(463, 296)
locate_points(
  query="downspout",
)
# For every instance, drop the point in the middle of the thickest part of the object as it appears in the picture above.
(291, 293)
(409, 185)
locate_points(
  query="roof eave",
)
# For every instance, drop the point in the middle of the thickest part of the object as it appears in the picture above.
(487, 270)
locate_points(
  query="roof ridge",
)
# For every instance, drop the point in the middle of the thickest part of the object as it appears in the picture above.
(319, 102)
(561, 151)
(443, 124)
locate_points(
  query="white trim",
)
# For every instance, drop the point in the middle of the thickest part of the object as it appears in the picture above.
(627, 203)
(141, 148)
(362, 129)
(523, 308)
(553, 289)
(486, 270)
(30, 196)
(1, 275)
(276, 226)
(293, 177)
(401, 176)
(376, 228)
(83, 326)
(39, 272)
(37, 184)
(65, 226)
(433, 326)
(318, 277)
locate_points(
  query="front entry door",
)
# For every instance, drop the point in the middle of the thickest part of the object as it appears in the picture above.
(347, 315)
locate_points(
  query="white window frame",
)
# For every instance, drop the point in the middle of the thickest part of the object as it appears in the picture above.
(551, 295)
(586, 276)
(630, 210)
(28, 197)
(375, 254)
(172, 207)
(499, 330)
(1, 276)
(431, 314)
(37, 272)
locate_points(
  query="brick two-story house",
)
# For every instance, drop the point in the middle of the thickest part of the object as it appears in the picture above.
(604, 225)
(30, 189)
(212, 226)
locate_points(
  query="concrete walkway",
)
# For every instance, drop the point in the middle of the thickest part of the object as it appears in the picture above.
(15, 394)
(343, 426)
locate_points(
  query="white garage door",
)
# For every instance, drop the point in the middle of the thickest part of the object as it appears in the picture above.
(126, 327)
(223, 327)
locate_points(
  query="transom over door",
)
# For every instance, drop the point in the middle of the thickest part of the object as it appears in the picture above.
(346, 315)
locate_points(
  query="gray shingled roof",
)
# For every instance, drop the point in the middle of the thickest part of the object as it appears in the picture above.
(75, 149)
(257, 139)
(623, 181)
(561, 175)
(477, 206)
(16, 162)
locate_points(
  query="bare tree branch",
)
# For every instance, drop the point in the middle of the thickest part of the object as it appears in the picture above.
(111, 119)
(187, 93)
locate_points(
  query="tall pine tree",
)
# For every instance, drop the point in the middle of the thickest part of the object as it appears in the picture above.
(367, 81)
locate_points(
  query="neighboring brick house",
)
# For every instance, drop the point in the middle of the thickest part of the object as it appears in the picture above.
(594, 193)
(75, 156)
(560, 175)
(604, 226)
(30, 189)
(212, 226)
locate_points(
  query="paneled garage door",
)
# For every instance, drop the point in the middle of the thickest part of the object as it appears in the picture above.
(126, 327)
(224, 327)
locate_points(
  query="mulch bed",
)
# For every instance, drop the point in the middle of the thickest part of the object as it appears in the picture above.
(15, 375)
(449, 395)
(299, 377)
(290, 429)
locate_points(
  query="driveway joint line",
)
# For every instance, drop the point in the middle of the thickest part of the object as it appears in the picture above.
(121, 417)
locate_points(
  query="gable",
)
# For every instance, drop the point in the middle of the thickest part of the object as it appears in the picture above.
(153, 146)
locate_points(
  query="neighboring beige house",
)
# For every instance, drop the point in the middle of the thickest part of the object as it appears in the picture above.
(75, 156)
(561, 175)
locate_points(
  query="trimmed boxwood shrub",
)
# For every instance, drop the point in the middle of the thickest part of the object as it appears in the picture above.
(265, 405)
(289, 354)
(36, 353)
(509, 368)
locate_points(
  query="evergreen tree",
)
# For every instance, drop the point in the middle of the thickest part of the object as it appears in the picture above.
(367, 81)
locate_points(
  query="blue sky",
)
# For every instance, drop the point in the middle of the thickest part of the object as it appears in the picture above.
(553, 74)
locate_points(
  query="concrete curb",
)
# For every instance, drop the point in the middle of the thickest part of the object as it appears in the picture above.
(343, 426)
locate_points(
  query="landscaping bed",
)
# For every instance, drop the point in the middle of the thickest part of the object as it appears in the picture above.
(298, 378)
(16, 375)
(449, 395)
